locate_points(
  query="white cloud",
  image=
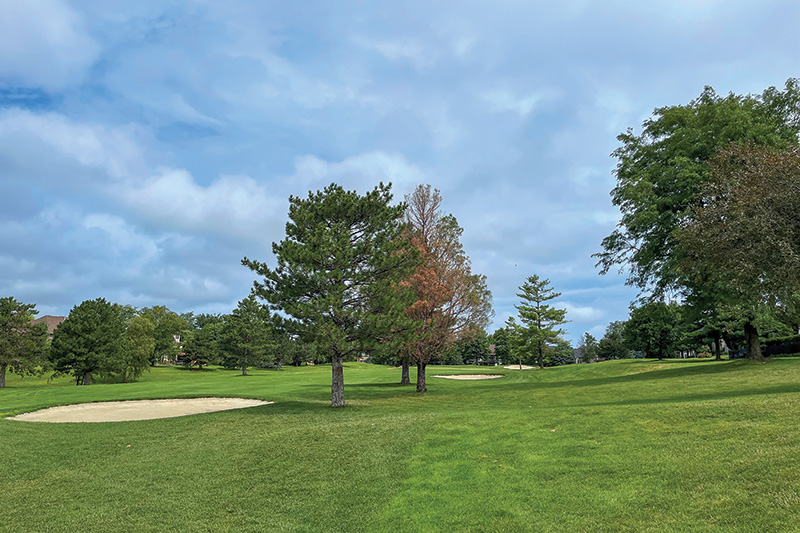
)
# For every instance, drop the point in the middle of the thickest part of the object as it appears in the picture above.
(43, 43)
(580, 313)
(504, 100)
(362, 171)
(232, 205)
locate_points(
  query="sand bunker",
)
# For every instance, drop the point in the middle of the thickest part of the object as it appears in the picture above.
(136, 410)
(517, 367)
(471, 376)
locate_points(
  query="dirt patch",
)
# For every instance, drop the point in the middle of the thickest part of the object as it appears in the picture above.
(471, 376)
(124, 411)
(517, 367)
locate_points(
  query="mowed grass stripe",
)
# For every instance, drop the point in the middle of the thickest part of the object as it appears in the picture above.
(617, 446)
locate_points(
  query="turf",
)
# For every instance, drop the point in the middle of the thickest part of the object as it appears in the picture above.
(617, 446)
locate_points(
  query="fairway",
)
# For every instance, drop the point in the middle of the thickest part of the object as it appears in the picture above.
(627, 445)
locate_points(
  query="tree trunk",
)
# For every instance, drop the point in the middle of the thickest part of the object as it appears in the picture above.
(421, 386)
(3, 376)
(404, 377)
(751, 339)
(520, 363)
(87, 378)
(244, 370)
(337, 381)
(541, 358)
(717, 347)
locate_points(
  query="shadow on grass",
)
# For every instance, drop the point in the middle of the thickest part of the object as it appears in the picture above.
(699, 397)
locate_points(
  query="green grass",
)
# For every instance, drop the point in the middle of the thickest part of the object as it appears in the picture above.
(617, 446)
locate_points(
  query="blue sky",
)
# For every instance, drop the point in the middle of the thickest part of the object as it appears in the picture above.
(146, 147)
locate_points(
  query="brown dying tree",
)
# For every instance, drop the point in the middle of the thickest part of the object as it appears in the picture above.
(451, 302)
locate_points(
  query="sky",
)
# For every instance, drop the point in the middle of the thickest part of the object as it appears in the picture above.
(147, 147)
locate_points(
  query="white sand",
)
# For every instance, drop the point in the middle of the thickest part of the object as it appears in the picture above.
(135, 410)
(516, 367)
(471, 376)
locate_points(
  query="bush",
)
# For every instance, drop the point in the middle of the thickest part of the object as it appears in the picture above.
(781, 345)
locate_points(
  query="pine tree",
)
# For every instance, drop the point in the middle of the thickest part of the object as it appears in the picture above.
(537, 319)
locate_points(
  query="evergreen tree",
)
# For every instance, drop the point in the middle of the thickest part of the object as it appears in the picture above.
(247, 336)
(538, 320)
(89, 341)
(22, 344)
(338, 273)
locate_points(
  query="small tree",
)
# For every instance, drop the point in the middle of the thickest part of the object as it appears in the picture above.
(612, 345)
(22, 343)
(654, 328)
(588, 348)
(337, 273)
(167, 334)
(538, 320)
(501, 348)
(203, 344)
(247, 336)
(138, 346)
(89, 341)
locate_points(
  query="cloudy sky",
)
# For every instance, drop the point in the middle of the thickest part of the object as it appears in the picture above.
(146, 147)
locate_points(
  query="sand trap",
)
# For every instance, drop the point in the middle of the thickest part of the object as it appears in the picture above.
(516, 367)
(471, 376)
(135, 410)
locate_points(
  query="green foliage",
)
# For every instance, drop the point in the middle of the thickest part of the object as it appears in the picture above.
(661, 172)
(169, 328)
(654, 328)
(22, 344)
(248, 338)
(203, 344)
(588, 348)
(538, 320)
(138, 346)
(90, 341)
(502, 349)
(338, 273)
(612, 345)
(470, 350)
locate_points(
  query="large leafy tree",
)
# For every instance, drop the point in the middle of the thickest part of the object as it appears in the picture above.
(538, 320)
(89, 341)
(612, 345)
(138, 346)
(248, 338)
(501, 344)
(203, 343)
(450, 302)
(22, 343)
(661, 172)
(169, 329)
(654, 329)
(746, 229)
(338, 272)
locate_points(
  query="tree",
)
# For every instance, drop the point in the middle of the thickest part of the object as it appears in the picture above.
(612, 345)
(450, 302)
(588, 348)
(89, 341)
(538, 320)
(22, 343)
(501, 348)
(247, 336)
(661, 172)
(653, 328)
(169, 327)
(745, 229)
(138, 346)
(338, 272)
(203, 343)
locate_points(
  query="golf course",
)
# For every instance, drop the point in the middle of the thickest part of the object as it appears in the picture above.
(630, 445)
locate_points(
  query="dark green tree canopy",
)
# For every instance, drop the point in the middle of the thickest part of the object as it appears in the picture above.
(338, 272)
(660, 173)
(248, 338)
(21, 342)
(89, 341)
(654, 329)
(538, 320)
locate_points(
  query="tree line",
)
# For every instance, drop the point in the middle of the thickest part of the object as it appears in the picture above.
(104, 339)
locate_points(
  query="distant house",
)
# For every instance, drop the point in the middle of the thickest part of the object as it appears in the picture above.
(51, 321)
